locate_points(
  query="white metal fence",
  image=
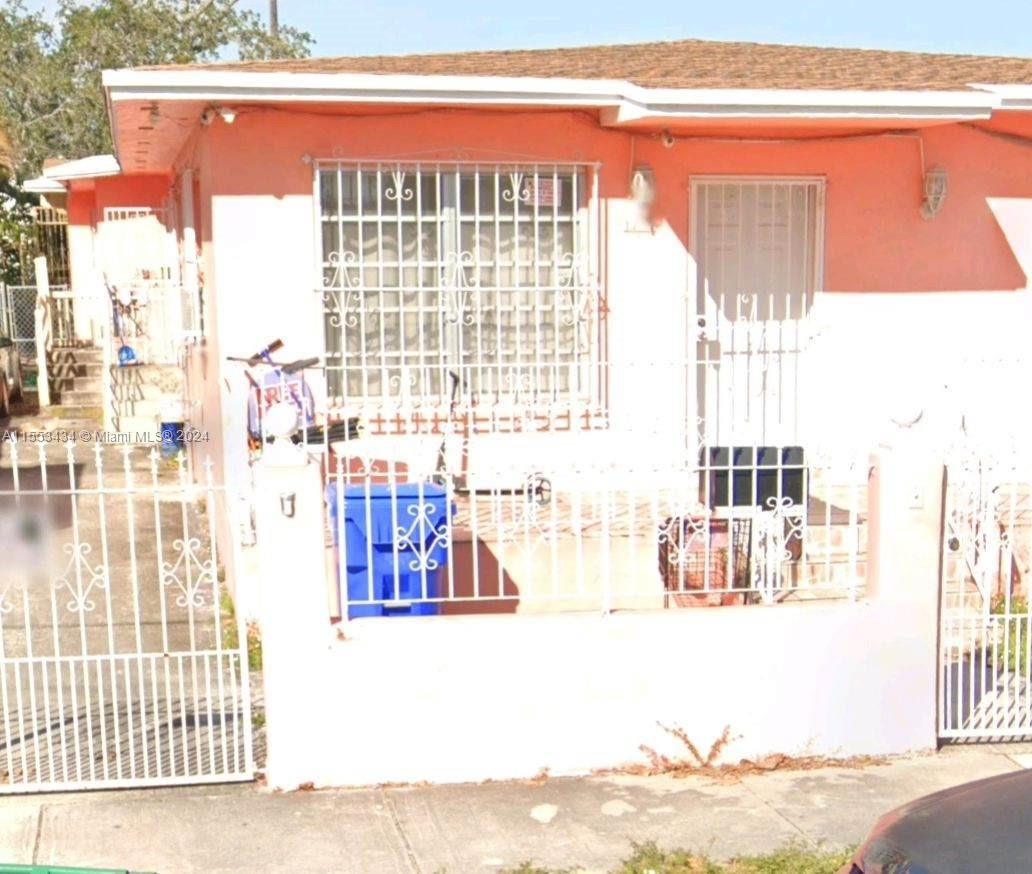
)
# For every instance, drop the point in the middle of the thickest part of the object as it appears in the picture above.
(607, 503)
(585, 537)
(118, 666)
(153, 317)
(986, 628)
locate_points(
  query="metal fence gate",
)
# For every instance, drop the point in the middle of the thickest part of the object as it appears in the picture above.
(985, 638)
(18, 318)
(121, 662)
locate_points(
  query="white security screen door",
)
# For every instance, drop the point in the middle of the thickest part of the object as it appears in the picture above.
(757, 245)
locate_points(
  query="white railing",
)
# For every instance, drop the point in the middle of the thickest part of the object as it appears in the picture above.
(154, 318)
(612, 501)
(986, 633)
(586, 537)
(119, 662)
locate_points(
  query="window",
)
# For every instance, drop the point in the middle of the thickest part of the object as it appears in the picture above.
(457, 280)
(757, 244)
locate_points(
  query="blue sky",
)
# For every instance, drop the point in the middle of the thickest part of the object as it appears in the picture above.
(390, 26)
(344, 27)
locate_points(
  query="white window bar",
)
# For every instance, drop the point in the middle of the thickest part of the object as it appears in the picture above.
(458, 281)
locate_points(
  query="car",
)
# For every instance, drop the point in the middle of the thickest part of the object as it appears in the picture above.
(11, 373)
(975, 827)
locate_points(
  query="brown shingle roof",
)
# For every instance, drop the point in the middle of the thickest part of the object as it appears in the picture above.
(689, 63)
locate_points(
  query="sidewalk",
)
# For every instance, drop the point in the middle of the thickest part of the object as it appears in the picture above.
(586, 823)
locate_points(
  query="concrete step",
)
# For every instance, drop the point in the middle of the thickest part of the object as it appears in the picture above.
(137, 426)
(80, 398)
(83, 355)
(72, 369)
(148, 408)
(146, 391)
(76, 383)
(68, 413)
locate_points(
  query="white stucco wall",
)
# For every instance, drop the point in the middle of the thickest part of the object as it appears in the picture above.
(464, 698)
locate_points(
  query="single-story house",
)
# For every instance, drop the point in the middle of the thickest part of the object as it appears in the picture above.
(616, 257)
(628, 319)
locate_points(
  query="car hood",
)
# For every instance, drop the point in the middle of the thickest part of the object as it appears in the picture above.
(985, 826)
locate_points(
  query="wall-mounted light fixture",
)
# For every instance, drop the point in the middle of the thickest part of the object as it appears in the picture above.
(934, 192)
(643, 191)
(224, 112)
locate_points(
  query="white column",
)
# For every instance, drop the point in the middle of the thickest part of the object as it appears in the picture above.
(905, 509)
(191, 280)
(42, 330)
(294, 619)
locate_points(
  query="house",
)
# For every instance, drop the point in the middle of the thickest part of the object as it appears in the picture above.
(654, 252)
(636, 313)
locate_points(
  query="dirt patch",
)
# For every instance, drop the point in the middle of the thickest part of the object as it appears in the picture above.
(694, 763)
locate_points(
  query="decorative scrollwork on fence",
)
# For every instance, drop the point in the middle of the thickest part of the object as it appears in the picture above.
(188, 573)
(775, 531)
(683, 535)
(340, 294)
(424, 537)
(80, 578)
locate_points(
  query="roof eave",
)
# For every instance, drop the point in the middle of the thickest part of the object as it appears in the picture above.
(91, 167)
(1017, 97)
(620, 99)
(42, 185)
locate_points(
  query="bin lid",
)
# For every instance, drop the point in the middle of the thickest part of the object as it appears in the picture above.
(379, 492)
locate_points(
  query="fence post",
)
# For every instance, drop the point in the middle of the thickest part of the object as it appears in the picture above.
(904, 568)
(293, 615)
(42, 325)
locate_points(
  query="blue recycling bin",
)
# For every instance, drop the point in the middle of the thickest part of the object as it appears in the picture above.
(395, 546)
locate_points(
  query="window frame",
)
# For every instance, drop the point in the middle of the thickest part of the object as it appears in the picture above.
(586, 221)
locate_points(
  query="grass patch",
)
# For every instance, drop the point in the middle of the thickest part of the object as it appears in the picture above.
(231, 636)
(1012, 647)
(650, 859)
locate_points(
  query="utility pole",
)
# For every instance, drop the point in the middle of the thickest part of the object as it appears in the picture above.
(273, 18)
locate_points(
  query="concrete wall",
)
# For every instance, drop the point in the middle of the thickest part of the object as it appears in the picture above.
(463, 698)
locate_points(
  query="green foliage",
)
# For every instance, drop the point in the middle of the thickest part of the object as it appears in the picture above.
(15, 218)
(649, 859)
(231, 635)
(51, 98)
(1012, 644)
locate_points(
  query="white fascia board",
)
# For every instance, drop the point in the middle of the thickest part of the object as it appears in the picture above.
(215, 86)
(623, 101)
(84, 168)
(778, 103)
(1010, 96)
(42, 185)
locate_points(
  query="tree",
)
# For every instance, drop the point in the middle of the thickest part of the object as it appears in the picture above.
(51, 99)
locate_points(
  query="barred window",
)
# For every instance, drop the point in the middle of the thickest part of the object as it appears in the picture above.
(457, 280)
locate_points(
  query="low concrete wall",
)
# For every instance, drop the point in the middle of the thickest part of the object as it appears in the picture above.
(467, 698)
(458, 698)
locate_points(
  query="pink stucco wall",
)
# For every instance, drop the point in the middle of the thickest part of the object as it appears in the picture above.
(876, 239)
